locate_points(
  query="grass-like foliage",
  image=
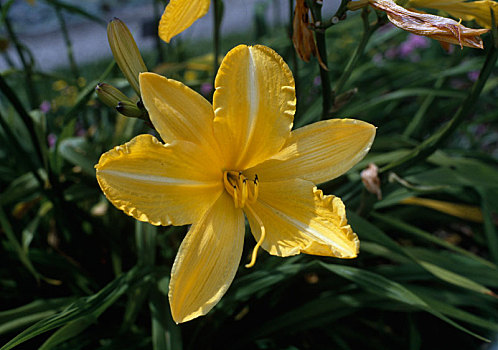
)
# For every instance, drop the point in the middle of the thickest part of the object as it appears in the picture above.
(76, 273)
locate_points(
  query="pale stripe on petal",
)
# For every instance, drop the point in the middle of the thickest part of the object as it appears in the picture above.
(207, 261)
(318, 152)
(160, 184)
(298, 218)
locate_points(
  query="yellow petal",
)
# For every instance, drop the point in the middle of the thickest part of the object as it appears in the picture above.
(318, 152)
(463, 211)
(475, 10)
(160, 184)
(298, 218)
(177, 111)
(435, 27)
(179, 15)
(207, 261)
(254, 105)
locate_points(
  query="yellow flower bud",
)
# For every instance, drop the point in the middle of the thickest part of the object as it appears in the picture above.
(125, 52)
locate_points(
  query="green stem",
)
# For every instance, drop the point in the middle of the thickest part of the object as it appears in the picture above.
(427, 147)
(28, 69)
(218, 16)
(368, 30)
(417, 122)
(316, 11)
(159, 48)
(67, 41)
(290, 33)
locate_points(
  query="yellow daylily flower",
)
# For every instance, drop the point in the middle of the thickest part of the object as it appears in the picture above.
(435, 27)
(179, 15)
(468, 11)
(235, 157)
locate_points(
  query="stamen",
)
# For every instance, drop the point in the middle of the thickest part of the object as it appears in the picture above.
(244, 193)
(256, 187)
(261, 239)
(241, 190)
(235, 197)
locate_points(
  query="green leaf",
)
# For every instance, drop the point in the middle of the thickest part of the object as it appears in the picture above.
(78, 11)
(425, 236)
(30, 313)
(371, 232)
(77, 151)
(399, 94)
(91, 306)
(69, 331)
(377, 284)
(166, 334)
(11, 236)
(489, 224)
(25, 186)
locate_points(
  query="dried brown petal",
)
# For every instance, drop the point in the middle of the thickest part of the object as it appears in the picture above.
(435, 27)
(302, 36)
(370, 178)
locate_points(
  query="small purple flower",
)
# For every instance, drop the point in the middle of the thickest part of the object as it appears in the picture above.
(412, 43)
(51, 139)
(206, 89)
(45, 106)
(317, 81)
(473, 76)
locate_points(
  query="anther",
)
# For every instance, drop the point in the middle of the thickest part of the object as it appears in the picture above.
(240, 188)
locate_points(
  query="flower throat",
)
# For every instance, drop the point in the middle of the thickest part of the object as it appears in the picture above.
(240, 188)
(244, 191)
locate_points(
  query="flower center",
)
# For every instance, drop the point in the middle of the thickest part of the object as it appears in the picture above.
(240, 188)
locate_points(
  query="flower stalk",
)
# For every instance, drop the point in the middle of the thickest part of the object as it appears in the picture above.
(69, 47)
(316, 11)
(218, 16)
(368, 30)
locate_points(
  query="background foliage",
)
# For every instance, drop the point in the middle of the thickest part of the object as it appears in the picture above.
(75, 273)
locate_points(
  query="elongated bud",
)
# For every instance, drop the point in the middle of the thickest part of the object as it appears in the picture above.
(125, 52)
(130, 109)
(109, 95)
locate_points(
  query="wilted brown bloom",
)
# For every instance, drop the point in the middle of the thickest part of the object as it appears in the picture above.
(302, 36)
(435, 27)
(370, 178)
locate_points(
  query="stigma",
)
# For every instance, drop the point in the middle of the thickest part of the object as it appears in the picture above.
(240, 188)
